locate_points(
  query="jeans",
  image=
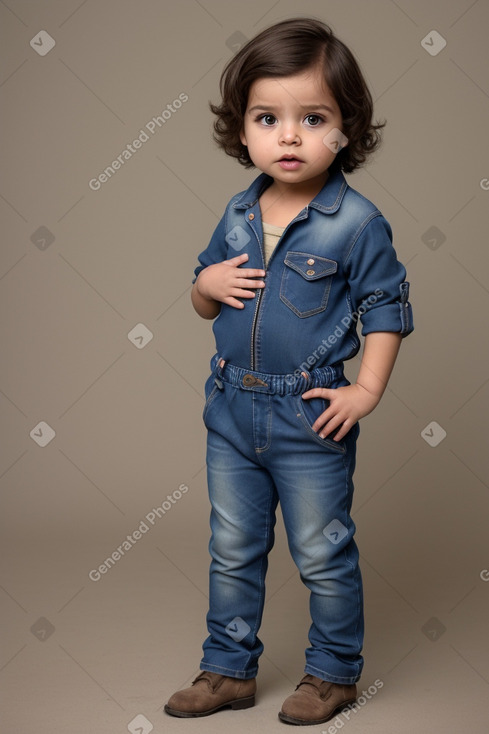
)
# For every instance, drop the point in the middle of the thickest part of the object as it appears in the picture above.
(261, 449)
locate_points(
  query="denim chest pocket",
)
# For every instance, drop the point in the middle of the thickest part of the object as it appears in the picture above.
(306, 283)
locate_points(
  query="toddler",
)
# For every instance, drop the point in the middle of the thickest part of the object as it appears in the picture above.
(297, 260)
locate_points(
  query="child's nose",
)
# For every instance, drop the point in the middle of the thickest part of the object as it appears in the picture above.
(289, 133)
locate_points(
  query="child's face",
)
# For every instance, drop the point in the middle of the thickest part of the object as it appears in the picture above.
(285, 124)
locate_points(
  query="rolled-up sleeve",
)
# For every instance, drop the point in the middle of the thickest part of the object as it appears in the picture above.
(379, 291)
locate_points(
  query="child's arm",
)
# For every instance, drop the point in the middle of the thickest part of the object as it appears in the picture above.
(350, 403)
(224, 282)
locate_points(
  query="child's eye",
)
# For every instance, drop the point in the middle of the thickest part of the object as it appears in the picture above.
(268, 120)
(313, 120)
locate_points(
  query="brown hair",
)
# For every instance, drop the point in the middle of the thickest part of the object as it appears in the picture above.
(288, 48)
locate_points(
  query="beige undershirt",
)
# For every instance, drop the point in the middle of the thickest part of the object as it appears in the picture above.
(271, 236)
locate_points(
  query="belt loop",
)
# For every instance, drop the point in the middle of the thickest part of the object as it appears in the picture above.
(221, 363)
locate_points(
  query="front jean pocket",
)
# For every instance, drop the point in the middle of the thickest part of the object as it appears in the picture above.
(213, 387)
(308, 411)
(306, 283)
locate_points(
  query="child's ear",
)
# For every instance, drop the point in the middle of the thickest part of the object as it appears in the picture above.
(243, 138)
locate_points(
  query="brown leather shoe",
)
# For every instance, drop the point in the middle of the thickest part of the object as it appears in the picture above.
(211, 692)
(315, 701)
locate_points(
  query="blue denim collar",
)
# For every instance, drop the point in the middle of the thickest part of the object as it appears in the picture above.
(327, 201)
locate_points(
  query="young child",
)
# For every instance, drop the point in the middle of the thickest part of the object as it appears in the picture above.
(296, 261)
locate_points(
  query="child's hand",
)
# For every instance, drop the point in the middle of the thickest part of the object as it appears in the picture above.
(347, 405)
(227, 282)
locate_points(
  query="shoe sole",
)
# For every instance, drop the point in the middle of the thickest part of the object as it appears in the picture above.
(237, 704)
(311, 722)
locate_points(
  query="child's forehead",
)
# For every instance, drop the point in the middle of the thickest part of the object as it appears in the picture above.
(303, 89)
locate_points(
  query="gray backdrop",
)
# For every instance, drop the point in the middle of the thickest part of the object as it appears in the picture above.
(104, 361)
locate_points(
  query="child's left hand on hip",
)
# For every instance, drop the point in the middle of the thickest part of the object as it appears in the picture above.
(347, 405)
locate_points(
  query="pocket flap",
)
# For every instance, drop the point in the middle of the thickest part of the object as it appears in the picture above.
(311, 267)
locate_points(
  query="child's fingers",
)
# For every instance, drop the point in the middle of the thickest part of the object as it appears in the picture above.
(234, 296)
(324, 427)
(244, 272)
(237, 260)
(319, 392)
(342, 432)
(234, 302)
(250, 273)
(249, 283)
(242, 293)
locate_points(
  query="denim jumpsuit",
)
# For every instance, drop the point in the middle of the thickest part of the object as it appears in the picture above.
(334, 266)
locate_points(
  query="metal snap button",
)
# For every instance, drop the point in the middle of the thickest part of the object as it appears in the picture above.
(310, 261)
(310, 272)
(251, 216)
(249, 380)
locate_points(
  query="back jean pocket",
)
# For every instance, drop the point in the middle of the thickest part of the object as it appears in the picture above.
(306, 283)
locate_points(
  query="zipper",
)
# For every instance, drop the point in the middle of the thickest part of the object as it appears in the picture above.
(253, 329)
(258, 297)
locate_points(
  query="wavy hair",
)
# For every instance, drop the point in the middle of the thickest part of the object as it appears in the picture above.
(284, 49)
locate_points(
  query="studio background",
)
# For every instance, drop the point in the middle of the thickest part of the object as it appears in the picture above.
(104, 363)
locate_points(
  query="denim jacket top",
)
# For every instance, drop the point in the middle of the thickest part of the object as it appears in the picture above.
(333, 266)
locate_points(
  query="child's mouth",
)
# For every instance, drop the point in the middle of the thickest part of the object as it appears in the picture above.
(289, 164)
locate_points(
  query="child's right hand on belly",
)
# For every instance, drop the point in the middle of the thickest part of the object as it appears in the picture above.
(227, 282)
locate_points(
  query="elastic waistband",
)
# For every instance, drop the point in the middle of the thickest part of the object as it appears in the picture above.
(294, 383)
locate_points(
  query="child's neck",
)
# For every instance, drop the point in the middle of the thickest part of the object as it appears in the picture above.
(281, 202)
